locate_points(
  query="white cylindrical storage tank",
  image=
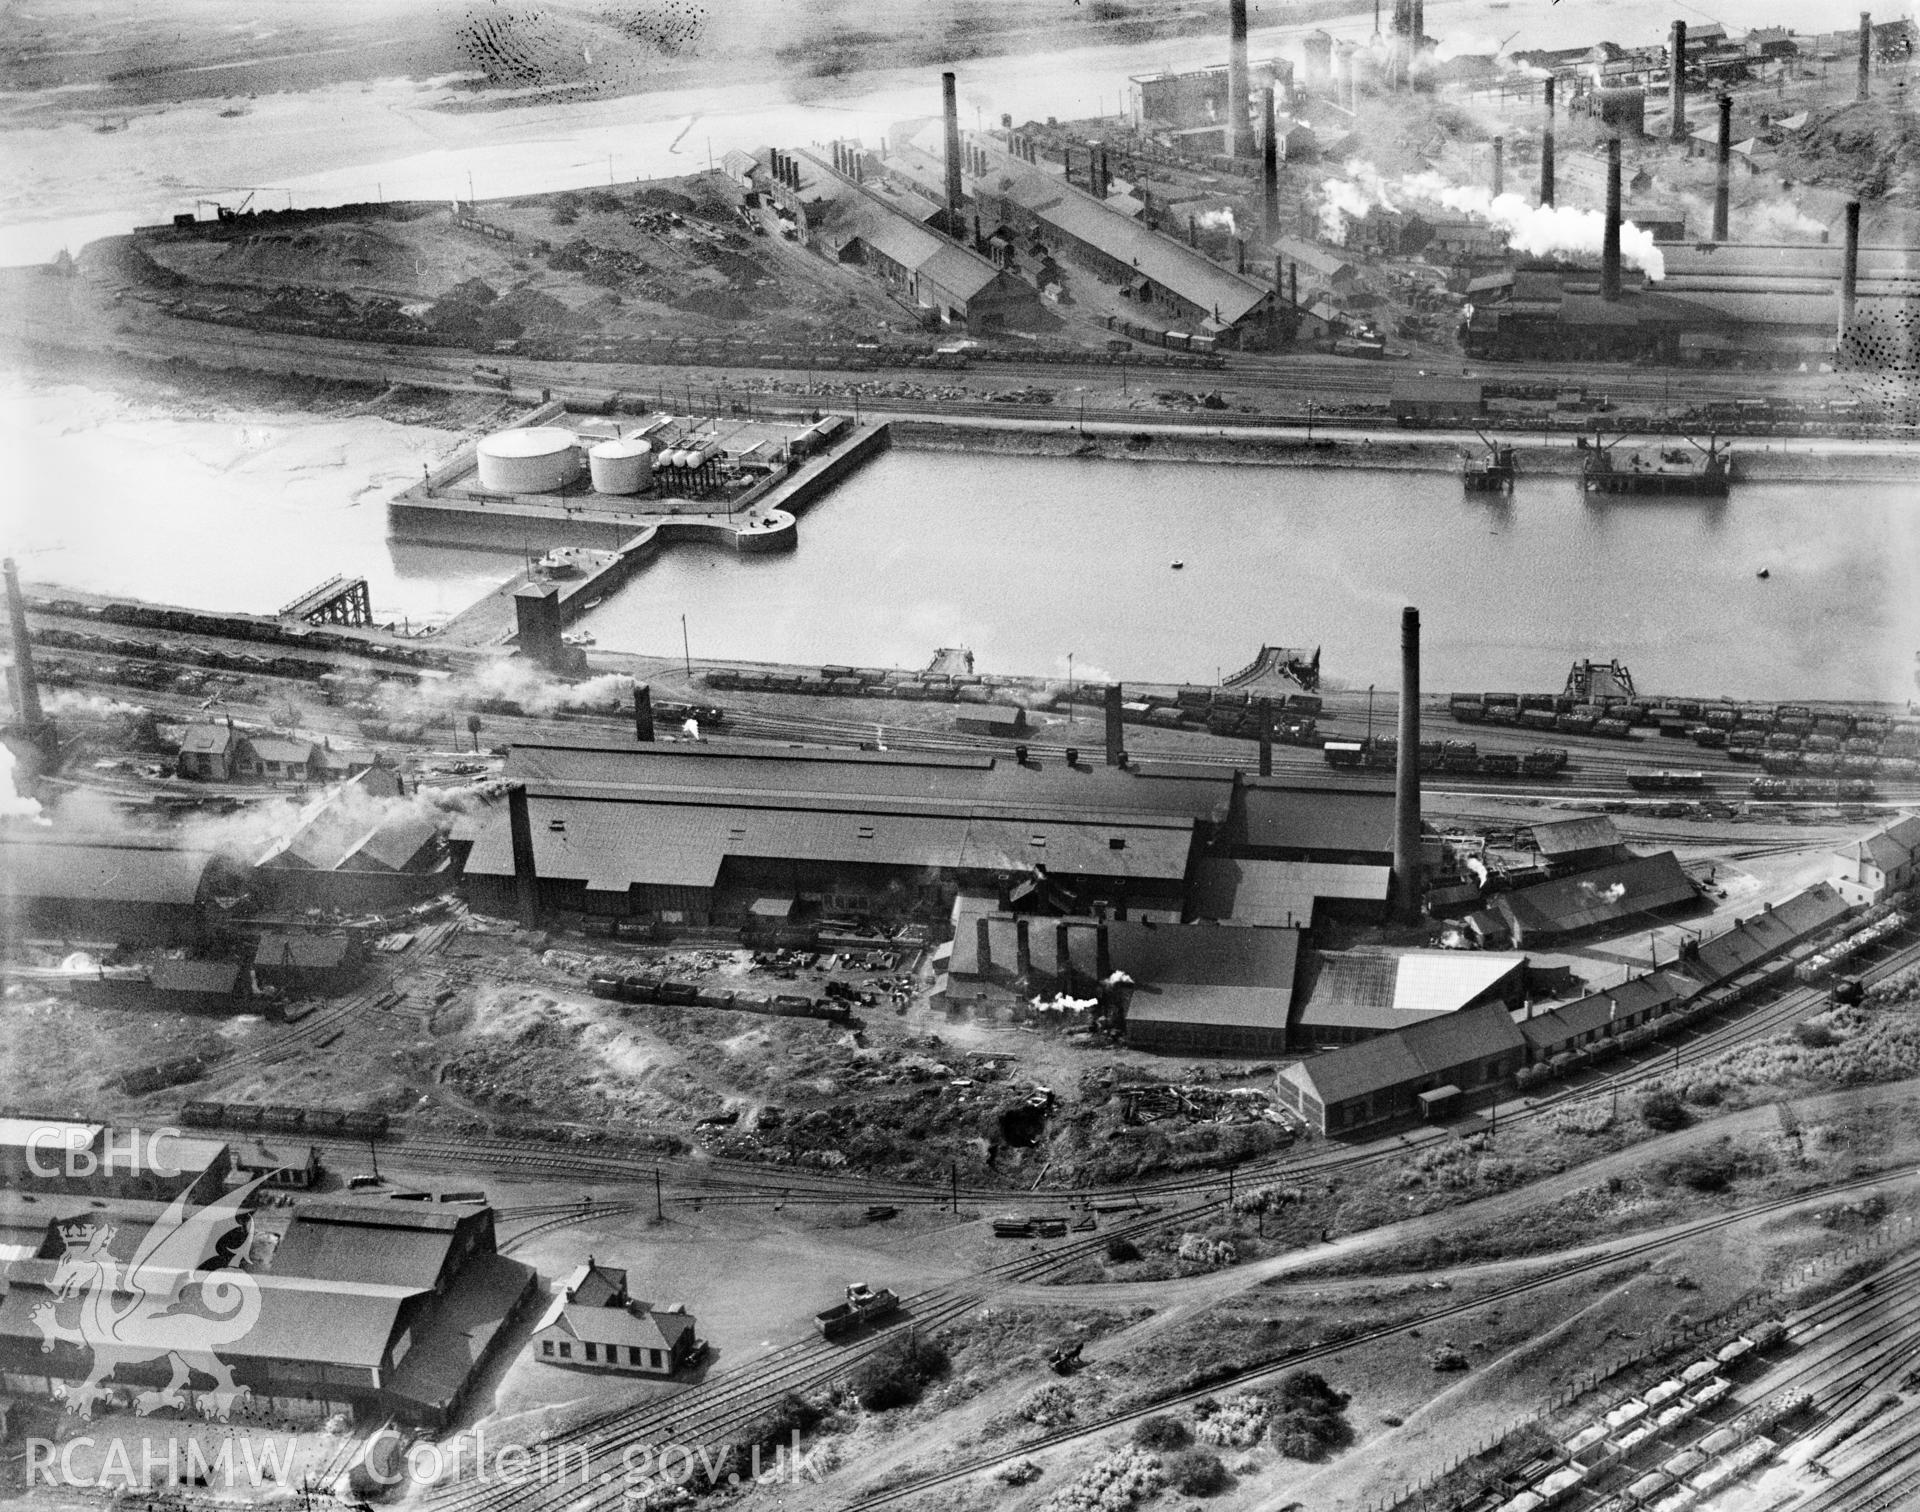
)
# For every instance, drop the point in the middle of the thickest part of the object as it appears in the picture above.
(707, 453)
(620, 467)
(533, 459)
(683, 459)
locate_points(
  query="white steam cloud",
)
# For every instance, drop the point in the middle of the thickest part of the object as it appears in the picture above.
(1218, 220)
(14, 804)
(1611, 894)
(1532, 230)
(1780, 220)
(66, 703)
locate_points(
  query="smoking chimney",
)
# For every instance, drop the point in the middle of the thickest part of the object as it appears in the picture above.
(643, 712)
(1240, 254)
(1269, 167)
(1721, 187)
(1419, 25)
(1116, 731)
(1610, 235)
(526, 874)
(26, 686)
(950, 105)
(1265, 706)
(1546, 143)
(1866, 52)
(1293, 283)
(1237, 143)
(1677, 84)
(1499, 166)
(1406, 772)
(1849, 270)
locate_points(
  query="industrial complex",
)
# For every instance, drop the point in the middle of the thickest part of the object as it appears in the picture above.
(484, 1060)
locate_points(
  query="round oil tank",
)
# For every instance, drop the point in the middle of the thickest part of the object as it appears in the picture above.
(534, 459)
(620, 467)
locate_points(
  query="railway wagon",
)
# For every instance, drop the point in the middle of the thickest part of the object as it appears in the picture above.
(1662, 782)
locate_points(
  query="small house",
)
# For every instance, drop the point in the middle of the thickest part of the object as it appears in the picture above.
(270, 758)
(594, 1323)
(1005, 720)
(293, 1168)
(209, 752)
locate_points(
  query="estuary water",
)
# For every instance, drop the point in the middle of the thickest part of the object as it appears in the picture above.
(1025, 560)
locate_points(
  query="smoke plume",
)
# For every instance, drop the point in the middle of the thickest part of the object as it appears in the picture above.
(1217, 220)
(1531, 230)
(14, 804)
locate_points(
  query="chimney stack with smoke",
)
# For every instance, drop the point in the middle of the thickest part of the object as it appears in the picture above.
(1269, 167)
(1677, 85)
(643, 712)
(1866, 52)
(950, 108)
(1850, 268)
(1546, 143)
(26, 686)
(1499, 166)
(1116, 730)
(1237, 103)
(1721, 186)
(1406, 772)
(526, 874)
(1610, 233)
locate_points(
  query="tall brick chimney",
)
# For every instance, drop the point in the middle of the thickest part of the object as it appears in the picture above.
(1677, 84)
(950, 109)
(1546, 143)
(1850, 268)
(1237, 101)
(1116, 728)
(1406, 773)
(1610, 233)
(1722, 187)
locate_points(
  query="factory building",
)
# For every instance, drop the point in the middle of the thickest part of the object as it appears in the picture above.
(1578, 843)
(1190, 108)
(1872, 869)
(1600, 1016)
(62, 887)
(1348, 996)
(356, 850)
(1645, 888)
(47, 1159)
(376, 1310)
(1422, 1068)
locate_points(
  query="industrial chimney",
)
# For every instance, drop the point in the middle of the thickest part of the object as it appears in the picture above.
(1265, 706)
(950, 106)
(1610, 233)
(1237, 103)
(1269, 167)
(26, 686)
(1849, 268)
(643, 712)
(1499, 166)
(1677, 85)
(1866, 52)
(526, 873)
(1406, 772)
(1546, 144)
(1721, 187)
(1116, 730)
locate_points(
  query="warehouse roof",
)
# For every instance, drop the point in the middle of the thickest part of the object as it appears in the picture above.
(1281, 892)
(1313, 814)
(1434, 1049)
(1767, 932)
(195, 976)
(305, 952)
(1600, 896)
(1887, 848)
(36, 867)
(1382, 991)
(1583, 832)
(1634, 999)
(612, 845)
(1206, 974)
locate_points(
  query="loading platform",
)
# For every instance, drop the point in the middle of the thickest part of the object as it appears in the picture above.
(340, 600)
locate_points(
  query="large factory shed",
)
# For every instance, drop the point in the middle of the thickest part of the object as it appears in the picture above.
(1579, 843)
(1221, 990)
(34, 1159)
(692, 834)
(1311, 819)
(1347, 996)
(1775, 928)
(1284, 894)
(108, 892)
(1420, 1068)
(1430, 399)
(169, 986)
(390, 1313)
(926, 268)
(1646, 888)
(355, 850)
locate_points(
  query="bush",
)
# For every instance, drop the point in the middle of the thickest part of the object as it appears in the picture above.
(1708, 1170)
(1663, 1112)
(1197, 1472)
(1162, 1431)
(896, 1373)
(1813, 1036)
(1049, 1405)
(1311, 1421)
(1446, 1358)
(1121, 1250)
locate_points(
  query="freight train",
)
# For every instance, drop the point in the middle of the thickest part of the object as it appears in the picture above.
(241, 627)
(1462, 757)
(1785, 790)
(1666, 782)
(641, 988)
(284, 1119)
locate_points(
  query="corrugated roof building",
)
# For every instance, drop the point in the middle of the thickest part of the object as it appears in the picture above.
(110, 891)
(1646, 888)
(1354, 995)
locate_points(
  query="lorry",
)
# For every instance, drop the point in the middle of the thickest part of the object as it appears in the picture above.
(863, 1305)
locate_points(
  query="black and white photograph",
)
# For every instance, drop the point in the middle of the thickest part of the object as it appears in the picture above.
(959, 756)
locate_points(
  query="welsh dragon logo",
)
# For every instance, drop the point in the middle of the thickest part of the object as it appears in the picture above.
(165, 1304)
